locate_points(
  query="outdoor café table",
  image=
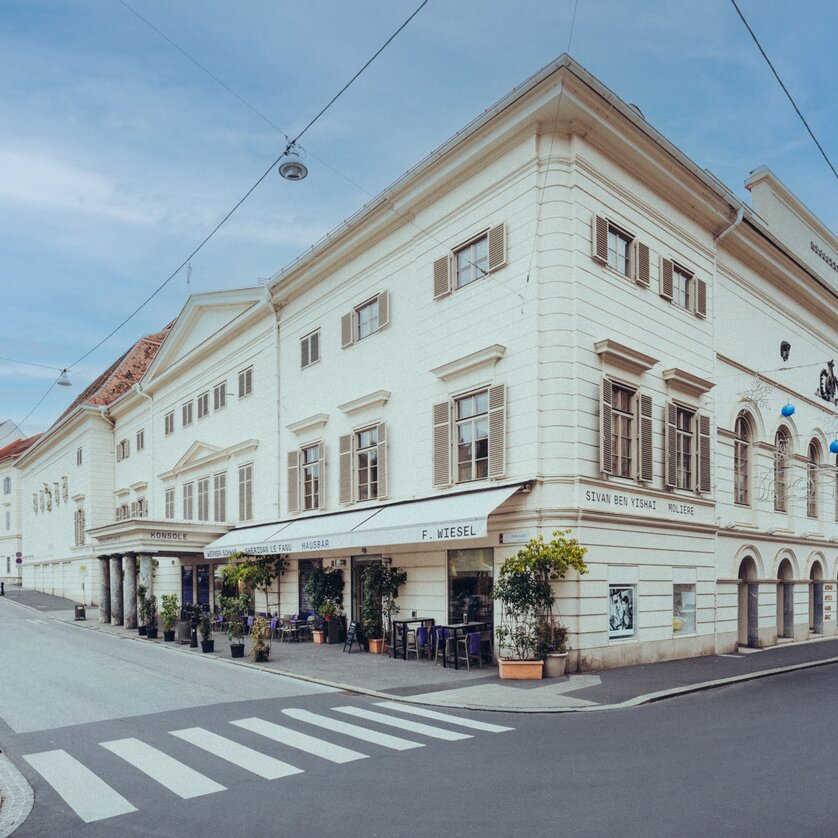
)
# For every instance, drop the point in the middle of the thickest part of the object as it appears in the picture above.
(401, 627)
(454, 629)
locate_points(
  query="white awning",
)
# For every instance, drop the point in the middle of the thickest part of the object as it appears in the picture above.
(454, 517)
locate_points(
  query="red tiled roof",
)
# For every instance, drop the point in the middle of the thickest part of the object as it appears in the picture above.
(14, 449)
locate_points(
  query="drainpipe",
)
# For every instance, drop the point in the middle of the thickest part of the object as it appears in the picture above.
(151, 505)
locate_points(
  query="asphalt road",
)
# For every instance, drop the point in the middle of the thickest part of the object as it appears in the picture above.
(120, 739)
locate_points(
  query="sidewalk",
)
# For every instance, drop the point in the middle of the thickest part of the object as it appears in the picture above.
(478, 689)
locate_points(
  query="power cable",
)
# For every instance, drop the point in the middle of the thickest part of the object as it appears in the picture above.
(40, 402)
(785, 90)
(30, 364)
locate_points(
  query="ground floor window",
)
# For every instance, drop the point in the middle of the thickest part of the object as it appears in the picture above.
(470, 583)
(621, 614)
(305, 567)
(186, 583)
(683, 609)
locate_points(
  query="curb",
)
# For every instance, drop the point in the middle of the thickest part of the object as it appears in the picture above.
(17, 798)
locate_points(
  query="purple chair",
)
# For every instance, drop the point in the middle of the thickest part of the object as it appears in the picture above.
(273, 626)
(249, 623)
(421, 644)
(442, 638)
(469, 647)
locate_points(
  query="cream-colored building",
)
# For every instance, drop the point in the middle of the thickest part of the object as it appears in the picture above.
(11, 536)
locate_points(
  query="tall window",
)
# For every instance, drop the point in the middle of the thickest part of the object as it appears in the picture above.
(140, 439)
(366, 448)
(187, 413)
(245, 382)
(310, 349)
(203, 499)
(742, 462)
(219, 485)
(203, 405)
(170, 503)
(169, 423)
(311, 477)
(684, 449)
(472, 418)
(366, 319)
(122, 450)
(219, 395)
(142, 508)
(622, 431)
(246, 492)
(8, 520)
(79, 456)
(682, 288)
(188, 499)
(78, 521)
(7, 485)
(619, 249)
(812, 480)
(472, 261)
(781, 455)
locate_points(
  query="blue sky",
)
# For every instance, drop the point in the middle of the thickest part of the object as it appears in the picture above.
(118, 155)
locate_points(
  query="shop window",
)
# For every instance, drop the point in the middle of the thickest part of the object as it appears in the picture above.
(305, 568)
(470, 585)
(621, 611)
(683, 609)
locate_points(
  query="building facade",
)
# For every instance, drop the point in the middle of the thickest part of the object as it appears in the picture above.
(11, 530)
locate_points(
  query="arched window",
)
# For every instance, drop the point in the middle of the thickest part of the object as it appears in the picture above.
(812, 479)
(742, 462)
(781, 465)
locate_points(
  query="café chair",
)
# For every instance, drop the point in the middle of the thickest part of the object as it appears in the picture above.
(422, 643)
(441, 636)
(469, 648)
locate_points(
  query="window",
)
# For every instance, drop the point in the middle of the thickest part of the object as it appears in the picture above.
(621, 614)
(170, 503)
(742, 462)
(472, 423)
(187, 414)
(203, 499)
(188, 496)
(245, 382)
(619, 250)
(78, 456)
(365, 320)
(219, 393)
(140, 439)
(366, 459)
(781, 454)
(310, 349)
(622, 431)
(7, 485)
(470, 584)
(625, 432)
(78, 525)
(311, 477)
(812, 480)
(142, 508)
(220, 492)
(169, 423)
(246, 492)
(681, 288)
(8, 521)
(203, 405)
(472, 261)
(684, 450)
(122, 512)
(683, 609)
(687, 449)
(122, 450)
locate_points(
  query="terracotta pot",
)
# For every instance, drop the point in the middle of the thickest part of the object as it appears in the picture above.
(555, 664)
(319, 636)
(376, 645)
(512, 670)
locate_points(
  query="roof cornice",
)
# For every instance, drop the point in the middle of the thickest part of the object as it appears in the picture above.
(62, 430)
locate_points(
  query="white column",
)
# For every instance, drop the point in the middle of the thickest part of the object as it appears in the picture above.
(104, 589)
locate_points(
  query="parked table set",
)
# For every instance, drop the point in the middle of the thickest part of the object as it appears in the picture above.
(451, 632)
(400, 629)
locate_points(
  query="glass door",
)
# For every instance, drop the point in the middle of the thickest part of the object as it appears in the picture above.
(359, 564)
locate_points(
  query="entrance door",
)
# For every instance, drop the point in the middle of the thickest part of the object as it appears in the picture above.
(186, 580)
(203, 575)
(753, 610)
(359, 564)
(817, 607)
(305, 567)
(788, 609)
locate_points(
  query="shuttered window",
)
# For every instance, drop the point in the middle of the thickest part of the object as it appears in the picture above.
(220, 496)
(681, 287)
(219, 395)
(363, 465)
(246, 492)
(203, 499)
(613, 246)
(688, 447)
(188, 500)
(364, 320)
(310, 349)
(310, 477)
(470, 261)
(245, 382)
(170, 503)
(140, 439)
(78, 517)
(625, 432)
(186, 411)
(169, 423)
(122, 450)
(203, 405)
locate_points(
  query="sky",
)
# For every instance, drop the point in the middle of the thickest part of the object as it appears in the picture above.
(118, 154)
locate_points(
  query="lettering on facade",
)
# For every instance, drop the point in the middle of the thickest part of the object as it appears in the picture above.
(315, 544)
(624, 501)
(445, 533)
(169, 536)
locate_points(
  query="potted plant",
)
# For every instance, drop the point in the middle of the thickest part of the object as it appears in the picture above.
(207, 643)
(151, 617)
(260, 650)
(170, 612)
(324, 589)
(232, 610)
(142, 609)
(381, 587)
(524, 589)
(555, 660)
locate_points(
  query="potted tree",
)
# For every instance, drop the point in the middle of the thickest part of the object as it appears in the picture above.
(207, 643)
(142, 609)
(324, 590)
(257, 572)
(170, 612)
(524, 589)
(151, 617)
(381, 587)
(232, 610)
(260, 649)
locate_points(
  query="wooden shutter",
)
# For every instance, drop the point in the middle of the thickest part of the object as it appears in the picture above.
(666, 279)
(605, 428)
(641, 263)
(382, 460)
(383, 309)
(133, 509)
(643, 411)
(345, 468)
(599, 239)
(442, 444)
(293, 481)
(497, 430)
(671, 437)
(304, 360)
(346, 330)
(321, 470)
(701, 298)
(497, 247)
(703, 483)
(442, 277)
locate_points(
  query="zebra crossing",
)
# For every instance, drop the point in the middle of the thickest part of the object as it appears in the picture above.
(93, 799)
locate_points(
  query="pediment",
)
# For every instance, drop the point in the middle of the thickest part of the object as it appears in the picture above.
(202, 455)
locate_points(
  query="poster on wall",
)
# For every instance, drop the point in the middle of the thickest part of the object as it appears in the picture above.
(621, 611)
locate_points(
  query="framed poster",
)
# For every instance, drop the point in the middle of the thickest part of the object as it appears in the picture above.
(621, 616)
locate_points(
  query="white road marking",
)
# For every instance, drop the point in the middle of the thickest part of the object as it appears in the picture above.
(442, 717)
(301, 741)
(184, 781)
(247, 758)
(404, 724)
(383, 739)
(90, 797)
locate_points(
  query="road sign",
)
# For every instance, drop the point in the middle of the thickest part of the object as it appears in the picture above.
(18, 555)
(18, 560)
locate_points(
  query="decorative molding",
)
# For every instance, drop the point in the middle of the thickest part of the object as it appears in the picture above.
(487, 357)
(316, 422)
(686, 382)
(377, 399)
(139, 486)
(189, 462)
(124, 492)
(77, 498)
(624, 357)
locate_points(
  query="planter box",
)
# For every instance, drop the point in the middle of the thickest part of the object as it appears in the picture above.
(151, 633)
(207, 645)
(261, 657)
(512, 670)
(237, 650)
(376, 645)
(555, 664)
(169, 635)
(319, 636)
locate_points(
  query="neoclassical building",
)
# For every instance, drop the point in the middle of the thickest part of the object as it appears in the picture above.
(555, 321)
